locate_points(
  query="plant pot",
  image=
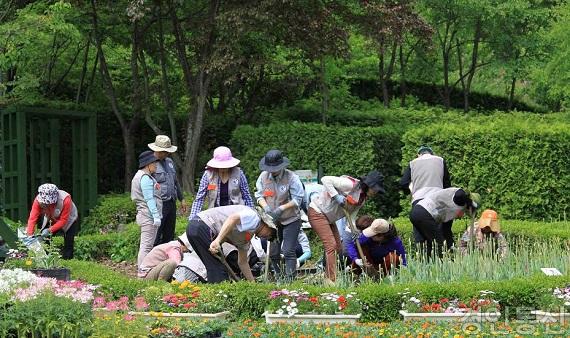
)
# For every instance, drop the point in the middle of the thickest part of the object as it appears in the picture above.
(59, 274)
(442, 317)
(271, 318)
(200, 316)
(551, 317)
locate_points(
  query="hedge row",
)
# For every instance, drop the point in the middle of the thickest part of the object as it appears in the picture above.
(519, 166)
(381, 302)
(339, 151)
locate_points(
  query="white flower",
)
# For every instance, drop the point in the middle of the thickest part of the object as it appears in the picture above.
(285, 300)
(293, 304)
(279, 312)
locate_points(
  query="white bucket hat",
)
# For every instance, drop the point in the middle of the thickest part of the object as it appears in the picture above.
(162, 143)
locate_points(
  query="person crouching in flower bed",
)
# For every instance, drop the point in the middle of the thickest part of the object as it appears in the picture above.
(382, 247)
(163, 259)
(236, 224)
(487, 229)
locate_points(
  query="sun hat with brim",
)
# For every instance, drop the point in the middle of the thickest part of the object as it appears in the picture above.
(379, 226)
(145, 158)
(48, 193)
(184, 239)
(273, 161)
(162, 143)
(489, 218)
(265, 218)
(222, 159)
(375, 181)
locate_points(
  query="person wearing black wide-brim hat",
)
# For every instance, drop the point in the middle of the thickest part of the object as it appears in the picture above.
(279, 192)
(340, 193)
(145, 192)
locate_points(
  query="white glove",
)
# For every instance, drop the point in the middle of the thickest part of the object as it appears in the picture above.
(156, 222)
(359, 262)
(298, 263)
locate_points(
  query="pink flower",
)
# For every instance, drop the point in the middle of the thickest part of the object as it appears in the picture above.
(99, 302)
(128, 317)
(140, 303)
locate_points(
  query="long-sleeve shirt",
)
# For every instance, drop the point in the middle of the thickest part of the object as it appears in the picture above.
(407, 178)
(335, 185)
(161, 253)
(377, 250)
(147, 187)
(203, 192)
(57, 223)
(305, 246)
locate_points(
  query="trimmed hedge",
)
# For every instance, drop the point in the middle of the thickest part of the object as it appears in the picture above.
(519, 165)
(338, 150)
(382, 302)
(110, 213)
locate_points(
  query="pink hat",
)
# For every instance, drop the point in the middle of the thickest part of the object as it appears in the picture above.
(222, 159)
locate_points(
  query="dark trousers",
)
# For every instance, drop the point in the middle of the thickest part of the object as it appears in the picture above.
(447, 234)
(200, 236)
(286, 243)
(165, 232)
(429, 230)
(68, 240)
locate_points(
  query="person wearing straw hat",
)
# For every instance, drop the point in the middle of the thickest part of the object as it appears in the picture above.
(425, 174)
(436, 208)
(280, 193)
(170, 189)
(223, 183)
(235, 224)
(341, 194)
(145, 192)
(487, 229)
(59, 214)
(163, 259)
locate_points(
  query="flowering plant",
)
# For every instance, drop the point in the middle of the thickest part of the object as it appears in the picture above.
(12, 279)
(558, 298)
(483, 303)
(184, 297)
(292, 302)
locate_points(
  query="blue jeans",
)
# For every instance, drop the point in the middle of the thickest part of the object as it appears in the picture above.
(287, 236)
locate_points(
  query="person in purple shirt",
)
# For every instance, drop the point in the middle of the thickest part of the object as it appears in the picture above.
(382, 247)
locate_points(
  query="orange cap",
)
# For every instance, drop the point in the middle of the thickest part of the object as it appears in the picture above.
(490, 218)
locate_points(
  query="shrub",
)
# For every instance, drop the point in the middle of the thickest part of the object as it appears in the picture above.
(111, 212)
(338, 150)
(519, 164)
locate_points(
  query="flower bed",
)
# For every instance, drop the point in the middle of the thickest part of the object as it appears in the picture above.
(480, 309)
(557, 306)
(298, 306)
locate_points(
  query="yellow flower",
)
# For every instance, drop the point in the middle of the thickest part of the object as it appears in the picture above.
(28, 262)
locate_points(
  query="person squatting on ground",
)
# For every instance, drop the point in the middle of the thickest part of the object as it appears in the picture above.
(163, 259)
(326, 208)
(145, 192)
(487, 231)
(170, 190)
(280, 193)
(382, 248)
(58, 214)
(223, 183)
(427, 173)
(439, 207)
(236, 224)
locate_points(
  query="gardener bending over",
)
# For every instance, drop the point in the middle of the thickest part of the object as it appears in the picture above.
(486, 230)
(161, 261)
(233, 223)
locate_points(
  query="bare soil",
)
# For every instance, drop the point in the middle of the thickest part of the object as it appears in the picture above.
(128, 269)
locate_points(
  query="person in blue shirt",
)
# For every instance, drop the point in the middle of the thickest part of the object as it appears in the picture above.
(382, 247)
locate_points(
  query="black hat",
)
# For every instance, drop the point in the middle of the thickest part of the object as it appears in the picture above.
(273, 161)
(146, 157)
(375, 181)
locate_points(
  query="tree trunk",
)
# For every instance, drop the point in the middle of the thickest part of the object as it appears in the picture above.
(473, 67)
(512, 94)
(324, 90)
(92, 77)
(126, 128)
(403, 88)
(83, 71)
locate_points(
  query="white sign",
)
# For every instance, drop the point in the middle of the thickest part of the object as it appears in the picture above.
(551, 271)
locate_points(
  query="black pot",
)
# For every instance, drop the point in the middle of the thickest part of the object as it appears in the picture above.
(59, 274)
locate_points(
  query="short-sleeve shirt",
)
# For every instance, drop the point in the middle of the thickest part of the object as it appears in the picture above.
(242, 233)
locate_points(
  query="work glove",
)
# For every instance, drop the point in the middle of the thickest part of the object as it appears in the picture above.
(298, 263)
(275, 213)
(341, 200)
(359, 262)
(156, 222)
(267, 208)
(45, 233)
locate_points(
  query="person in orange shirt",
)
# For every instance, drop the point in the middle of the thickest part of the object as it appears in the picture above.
(57, 213)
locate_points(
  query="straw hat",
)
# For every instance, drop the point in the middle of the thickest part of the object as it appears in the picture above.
(490, 218)
(162, 143)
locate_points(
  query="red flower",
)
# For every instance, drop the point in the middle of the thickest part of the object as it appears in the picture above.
(341, 299)
(444, 300)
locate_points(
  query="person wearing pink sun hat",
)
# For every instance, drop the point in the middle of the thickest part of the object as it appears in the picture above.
(223, 183)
